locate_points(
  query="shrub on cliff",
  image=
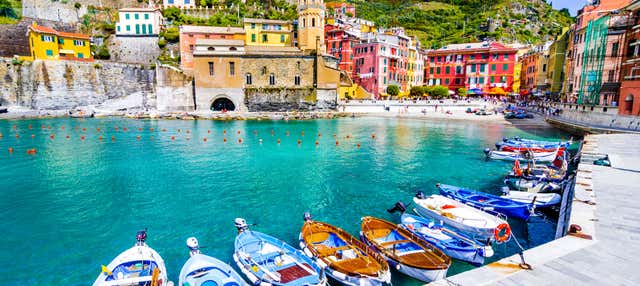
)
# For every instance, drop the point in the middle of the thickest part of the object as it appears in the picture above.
(162, 43)
(102, 53)
(172, 34)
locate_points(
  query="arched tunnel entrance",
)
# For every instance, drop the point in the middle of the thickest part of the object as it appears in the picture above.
(223, 103)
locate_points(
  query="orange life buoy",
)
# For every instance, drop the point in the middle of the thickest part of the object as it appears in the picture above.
(499, 229)
(444, 207)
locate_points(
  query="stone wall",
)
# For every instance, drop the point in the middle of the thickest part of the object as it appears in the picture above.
(55, 10)
(602, 116)
(60, 85)
(283, 99)
(138, 50)
(174, 90)
(14, 39)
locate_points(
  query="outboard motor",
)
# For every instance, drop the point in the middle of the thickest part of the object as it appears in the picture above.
(399, 206)
(420, 195)
(486, 151)
(505, 139)
(307, 216)
(141, 236)
(516, 137)
(194, 247)
(505, 190)
(241, 224)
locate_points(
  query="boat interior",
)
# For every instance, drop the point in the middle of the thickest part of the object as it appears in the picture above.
(210, 276)
(403, 246)
(342, 252)
(132, 269)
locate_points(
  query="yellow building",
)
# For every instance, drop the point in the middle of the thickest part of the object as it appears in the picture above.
(517, 69)
(47, 43)
(311, 16)
(265, 32)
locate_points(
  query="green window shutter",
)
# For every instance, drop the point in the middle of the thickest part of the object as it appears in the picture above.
(150, 29)
(481, 67)
(264, 38)
(137, 29)
(42, 38)
(473, 68)
(446, 81)
(136, 16)
(493, 67)
(430, 70)
(506, 56)
(253, 38)
(448, 70)
(126, 16)
(493, 79)
(482, 80)
(282, 38)
(146, 16)
(144, 29)
(128, 28)
(80, 56)
(49, 53)
(505, 67)
(438, 70)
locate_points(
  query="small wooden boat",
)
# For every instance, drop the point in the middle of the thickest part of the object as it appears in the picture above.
(345, 258)
(139, 265)
(454, 244)
(266, 260)
(539, 200)
(404, 250)
(522, 156)
(475, 223)
(532, 186)
(517, 142)
(486, 202)
(203, 270)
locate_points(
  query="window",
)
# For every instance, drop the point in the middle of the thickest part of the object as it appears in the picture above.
(233, 49)
(458, 70)
(482, 67)
(248, 78)
(304, 22)
(118, 28)
(253, 25)
(136, 16)
(430, 70)
(438, 70)
(211, 69)
(473, 68)
(544, 68)
(137, 29)
(128, 28)
(447, 70)
(253, 38)
(80, 55)
(191, 47)
(170, 1)
(473, 57)
(146, 15)
(264, 38)
(611, 75)
(47, 38)
(384, 80)
(446, 81)
(481, 80)
(493, 67)
(144, 29)
(186, 1)
(495, 57)
(493, 79)
(503, 79)
(265, 27)
(457, 81)
(485, 56)
(296, 80)
(281, 38)
(264, 70)
(313, 22)
(126, 16)
(614, 49)
(79, 43)
(150, 30)
(272, 79)
(49, 53)
(232, 68)
(506, 56)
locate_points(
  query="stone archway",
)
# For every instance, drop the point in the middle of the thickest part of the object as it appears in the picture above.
(222, 103)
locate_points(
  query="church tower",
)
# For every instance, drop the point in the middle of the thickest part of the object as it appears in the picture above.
(311, 24)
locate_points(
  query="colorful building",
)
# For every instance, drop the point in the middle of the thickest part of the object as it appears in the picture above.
(340, 43)
(139, 22)
(594, 55)
(311, 17)
(190, 34)
(341, 8)
(629, 100)
(478, 67)
(555, 71)
(265, 32)
(48, 44)
(179, 3)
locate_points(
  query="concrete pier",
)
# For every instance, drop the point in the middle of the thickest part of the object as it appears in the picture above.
(606, 207)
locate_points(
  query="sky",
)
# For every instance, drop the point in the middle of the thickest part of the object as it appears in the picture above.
(572, 5)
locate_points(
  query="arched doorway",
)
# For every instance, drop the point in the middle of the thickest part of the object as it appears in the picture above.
(223, 103)
(629, 103)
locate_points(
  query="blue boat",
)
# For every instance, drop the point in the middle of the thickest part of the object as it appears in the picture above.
(452, 243)
(487, 202)
(266, 260)
(519, 142)
(203, 270)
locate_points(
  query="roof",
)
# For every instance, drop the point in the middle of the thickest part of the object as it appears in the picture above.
(133, 9)
(337, 4)
(272, 50)
(264, 21)
(219, 42)
(46, 30)
(211, 30)
(475, 47)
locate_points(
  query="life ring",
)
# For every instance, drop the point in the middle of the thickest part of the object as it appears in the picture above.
(499, 229)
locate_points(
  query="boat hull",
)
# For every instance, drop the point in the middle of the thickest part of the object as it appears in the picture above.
(135, 255)
(200, 269)
(487, 202)
(512, 156)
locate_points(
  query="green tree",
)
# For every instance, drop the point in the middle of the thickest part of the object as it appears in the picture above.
(393, 90)
(6, 10)
(440, 91)
(416, 91)
(171, 34)
(462, 91)
(77, 5)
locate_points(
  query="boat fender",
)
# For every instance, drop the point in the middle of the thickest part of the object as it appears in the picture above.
(504, 237)
(487, 251)
(321, 263)
(398, 267)
(339, 275)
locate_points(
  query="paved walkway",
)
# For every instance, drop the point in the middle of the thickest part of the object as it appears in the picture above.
(614, 222)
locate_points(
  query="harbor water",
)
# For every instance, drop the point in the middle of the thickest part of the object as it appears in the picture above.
(77, 203)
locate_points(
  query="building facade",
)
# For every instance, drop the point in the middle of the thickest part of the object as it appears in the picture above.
(555, 72)
(48, 44)
(190, 34)
(339, 43)
(265, 32)
(478, 67)
(311, 18)
(139, 22)
(341, 8)
(629, 100)
(179, 3)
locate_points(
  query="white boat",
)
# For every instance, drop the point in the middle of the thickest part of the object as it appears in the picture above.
(542, 200)
(522, 156)
(139, 265)
(476, 223)
(203, 270)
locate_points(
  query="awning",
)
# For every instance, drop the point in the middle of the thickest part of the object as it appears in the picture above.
(610, 87)
(497, 90)
(67, 52)
(475, 91)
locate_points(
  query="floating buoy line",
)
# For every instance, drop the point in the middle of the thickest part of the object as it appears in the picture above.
(100, 132)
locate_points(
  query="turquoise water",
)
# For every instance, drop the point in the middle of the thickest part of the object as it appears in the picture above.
(76, 204)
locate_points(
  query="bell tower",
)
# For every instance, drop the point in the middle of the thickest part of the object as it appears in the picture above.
(311, 15)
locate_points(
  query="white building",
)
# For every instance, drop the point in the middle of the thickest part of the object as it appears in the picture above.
(142, 22)
(179, 3)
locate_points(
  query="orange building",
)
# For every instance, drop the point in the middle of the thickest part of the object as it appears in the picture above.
(189, 35)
